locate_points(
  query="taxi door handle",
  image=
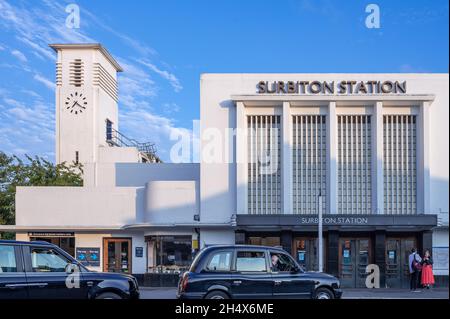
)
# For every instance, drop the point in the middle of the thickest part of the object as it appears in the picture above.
(237, 282)
(278, 282)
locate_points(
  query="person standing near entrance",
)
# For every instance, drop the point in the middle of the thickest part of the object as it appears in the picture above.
(415, 267)
(427, 277)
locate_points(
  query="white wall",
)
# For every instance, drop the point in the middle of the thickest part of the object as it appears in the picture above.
(76, 206)
(108, 154)
(216, 237)
(170, 202)
(138, 174)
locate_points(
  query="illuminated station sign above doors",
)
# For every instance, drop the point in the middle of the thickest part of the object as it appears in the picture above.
(331, 87)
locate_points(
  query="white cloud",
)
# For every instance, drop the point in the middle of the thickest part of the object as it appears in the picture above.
(32, 93)
(19, 55)
(160, 127)
(170, 108)
(44, 81)
(173, 80)
(408, 68)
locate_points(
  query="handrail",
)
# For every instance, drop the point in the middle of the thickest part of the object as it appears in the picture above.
(116, 138)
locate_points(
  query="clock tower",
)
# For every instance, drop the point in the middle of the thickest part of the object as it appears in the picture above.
(86, 101)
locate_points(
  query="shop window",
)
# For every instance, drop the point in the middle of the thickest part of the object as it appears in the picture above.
(173, 254)
(264, 241)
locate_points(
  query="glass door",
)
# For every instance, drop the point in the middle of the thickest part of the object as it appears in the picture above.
(363, 259)
(306, 252)
(397, 259)
(347, 262)
(354, 256)
(117, 255)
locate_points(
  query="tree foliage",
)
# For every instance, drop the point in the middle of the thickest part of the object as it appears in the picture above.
(35, 171)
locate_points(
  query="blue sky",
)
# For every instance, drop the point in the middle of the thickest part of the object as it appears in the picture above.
(164, 46)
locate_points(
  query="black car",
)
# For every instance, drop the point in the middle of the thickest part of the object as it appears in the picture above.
(40, 270)
(224, 272)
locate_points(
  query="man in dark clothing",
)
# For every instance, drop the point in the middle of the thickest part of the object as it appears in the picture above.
(414, 273)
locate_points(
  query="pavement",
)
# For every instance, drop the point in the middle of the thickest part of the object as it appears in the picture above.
(437, 293)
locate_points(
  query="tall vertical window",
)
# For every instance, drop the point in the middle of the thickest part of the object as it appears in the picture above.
(109, 132)
(354, 164)
(264, 168)
(399, 166)
(309, 163)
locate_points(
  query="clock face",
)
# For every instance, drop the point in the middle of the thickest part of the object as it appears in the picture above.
(76, 103)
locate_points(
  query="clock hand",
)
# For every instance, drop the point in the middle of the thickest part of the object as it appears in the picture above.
(79, 105)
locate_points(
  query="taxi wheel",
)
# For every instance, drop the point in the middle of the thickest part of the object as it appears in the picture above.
(323, 293)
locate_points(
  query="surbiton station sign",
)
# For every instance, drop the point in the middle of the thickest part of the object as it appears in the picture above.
(331, 87)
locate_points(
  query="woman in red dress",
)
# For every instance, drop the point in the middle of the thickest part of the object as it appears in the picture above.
(427, 279)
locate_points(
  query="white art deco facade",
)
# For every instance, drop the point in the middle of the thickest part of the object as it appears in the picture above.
(369, 150)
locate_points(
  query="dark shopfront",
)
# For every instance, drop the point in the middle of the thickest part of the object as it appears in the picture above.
(350, 242)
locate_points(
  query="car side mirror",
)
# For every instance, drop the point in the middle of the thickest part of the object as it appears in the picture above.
(72, 268)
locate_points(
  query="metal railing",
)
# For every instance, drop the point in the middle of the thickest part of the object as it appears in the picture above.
(115, 138)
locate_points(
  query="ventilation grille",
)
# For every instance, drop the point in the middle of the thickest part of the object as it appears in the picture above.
(354, 164)
(399, 165)
(105, 81)
(309, 163)
(264, 169)
(76, 69)
(58, 74)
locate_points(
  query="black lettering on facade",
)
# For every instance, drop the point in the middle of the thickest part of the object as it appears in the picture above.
(342, 87)
(261, 87)
(387, 87)
(315, 87)
(328, 87)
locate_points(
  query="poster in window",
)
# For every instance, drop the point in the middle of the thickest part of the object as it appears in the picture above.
(301, 256)
(391, 254)
(346, 253)
(88, 256)
(440, 258)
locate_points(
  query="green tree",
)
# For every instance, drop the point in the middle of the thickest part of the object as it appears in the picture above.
(34, 172)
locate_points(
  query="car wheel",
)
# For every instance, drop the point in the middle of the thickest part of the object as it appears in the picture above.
(217, 295)
(108, 295)
(323, 293)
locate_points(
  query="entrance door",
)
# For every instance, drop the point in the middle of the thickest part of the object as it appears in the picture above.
(397, 259)
(117, 255)
(354, 256)
(306, 252)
